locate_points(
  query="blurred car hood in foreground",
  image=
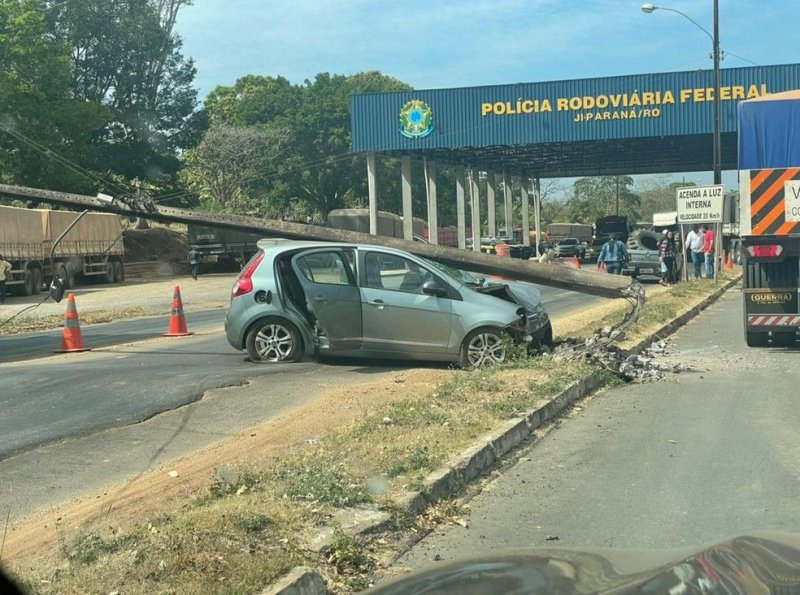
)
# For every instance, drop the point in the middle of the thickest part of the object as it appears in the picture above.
(767, 563)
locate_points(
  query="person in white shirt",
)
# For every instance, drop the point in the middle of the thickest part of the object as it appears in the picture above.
(5, 269)
(694, 244)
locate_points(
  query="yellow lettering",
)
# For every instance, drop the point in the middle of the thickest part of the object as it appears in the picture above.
(602, 101)
(752, 92)
(737, 92)
(575, 103)
(668, 98)
(562, 104)
(764, 88)
(656, 112)
(588, 102)
(527, 106)
(546, 107)
(632, 115)
(685, 95)
(615, 99)
(709, 93)
(499, 108)
(615, 116)
(634, 100)
(486, 108)
(697, 95)
(645, 113)
(724, 93)
(606, 116)
(589, 116)
(648, 98)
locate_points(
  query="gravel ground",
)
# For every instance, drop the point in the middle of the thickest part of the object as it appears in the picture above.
(211, 291)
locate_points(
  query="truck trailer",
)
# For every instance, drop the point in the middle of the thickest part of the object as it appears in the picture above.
(769, 190)
(91, 249)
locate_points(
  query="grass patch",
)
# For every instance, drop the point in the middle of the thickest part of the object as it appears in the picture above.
(248, 527)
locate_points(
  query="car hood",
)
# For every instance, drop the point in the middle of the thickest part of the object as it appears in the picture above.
(748, 564)
(523, 294)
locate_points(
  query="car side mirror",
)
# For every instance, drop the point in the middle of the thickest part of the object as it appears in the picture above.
(431, 288)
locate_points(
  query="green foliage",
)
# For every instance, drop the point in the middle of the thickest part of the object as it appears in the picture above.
(597, 197)
(89, 547)
(322, 485)
(255, 523)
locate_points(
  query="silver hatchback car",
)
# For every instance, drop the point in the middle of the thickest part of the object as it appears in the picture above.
(296, 298)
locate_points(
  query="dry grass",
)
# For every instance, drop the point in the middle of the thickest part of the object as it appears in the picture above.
(249, 526)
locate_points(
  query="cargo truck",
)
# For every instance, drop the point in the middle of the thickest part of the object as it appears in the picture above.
(769, 190)
(556, 232)
(91, 249)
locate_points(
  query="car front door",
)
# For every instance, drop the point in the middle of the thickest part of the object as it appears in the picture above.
(331, 294)
(397, 316)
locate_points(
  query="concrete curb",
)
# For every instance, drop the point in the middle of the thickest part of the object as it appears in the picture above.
(488, 450)
(301, 580)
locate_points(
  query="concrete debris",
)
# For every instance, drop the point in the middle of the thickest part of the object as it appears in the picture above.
(387, 421)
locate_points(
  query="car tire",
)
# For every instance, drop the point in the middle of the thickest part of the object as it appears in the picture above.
(37, 281)
(273, 340)
(484, 346)
(547, 337)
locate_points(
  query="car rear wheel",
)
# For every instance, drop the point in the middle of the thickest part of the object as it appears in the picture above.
(273, 340)
(484, 346)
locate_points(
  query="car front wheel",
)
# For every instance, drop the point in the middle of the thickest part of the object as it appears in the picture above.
(273, 340)
(485, 346)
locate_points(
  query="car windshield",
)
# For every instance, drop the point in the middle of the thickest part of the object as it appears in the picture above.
(462, 277)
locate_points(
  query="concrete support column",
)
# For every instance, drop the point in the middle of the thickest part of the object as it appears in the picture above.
(372, 184)
(490, 203)
(537, 211)
(475, 208)
(430, 185)
(408, 223)
(460, 210)
(507, 204)
(526, 213)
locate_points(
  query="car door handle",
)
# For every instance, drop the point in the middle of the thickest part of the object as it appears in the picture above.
(321, 299)
(379, 304)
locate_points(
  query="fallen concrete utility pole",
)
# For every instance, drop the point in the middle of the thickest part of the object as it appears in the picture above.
(589, 282)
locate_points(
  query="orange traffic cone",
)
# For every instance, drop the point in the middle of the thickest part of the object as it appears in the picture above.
(601, 267)
(576, 261)
(71, 340)
(728, 262)
(177, 322)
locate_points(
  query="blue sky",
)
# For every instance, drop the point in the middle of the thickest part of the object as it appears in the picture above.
(454, 43)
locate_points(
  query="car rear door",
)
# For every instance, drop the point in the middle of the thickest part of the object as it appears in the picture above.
(331, 293)
(398, 317)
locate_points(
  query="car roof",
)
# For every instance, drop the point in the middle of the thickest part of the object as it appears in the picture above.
(274, 246)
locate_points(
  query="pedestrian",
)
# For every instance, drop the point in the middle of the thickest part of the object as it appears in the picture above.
(694, 244)
(613, 255)
(709, 247)
(5, 269)
(194, 262)
(666, 256)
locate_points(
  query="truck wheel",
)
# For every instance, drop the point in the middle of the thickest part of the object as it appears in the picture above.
(756, 339)
(37, 281)
(119, 272)
(27, 287)
(68, 275)
(109, 276)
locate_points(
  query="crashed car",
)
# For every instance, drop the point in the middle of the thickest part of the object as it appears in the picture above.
(297, 298)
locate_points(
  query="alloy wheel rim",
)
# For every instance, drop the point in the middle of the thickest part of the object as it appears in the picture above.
(274, 343)
(485, 348)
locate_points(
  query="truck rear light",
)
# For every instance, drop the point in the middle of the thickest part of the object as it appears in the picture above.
(765, 250)
(244, 283)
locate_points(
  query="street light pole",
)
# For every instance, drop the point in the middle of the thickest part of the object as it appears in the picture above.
(715, 54)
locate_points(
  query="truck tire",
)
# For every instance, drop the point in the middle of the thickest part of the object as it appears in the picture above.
(68, 275)
(109, 276)
(37, 281)
(27, 287)
(119, 272)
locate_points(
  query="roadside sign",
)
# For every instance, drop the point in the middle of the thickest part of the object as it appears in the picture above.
(700, 204)
(791, 200)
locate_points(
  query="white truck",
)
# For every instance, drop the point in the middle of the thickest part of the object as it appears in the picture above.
(93, 248)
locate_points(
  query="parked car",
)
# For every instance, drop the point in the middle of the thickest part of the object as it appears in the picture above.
(297, 298)
(570, 247)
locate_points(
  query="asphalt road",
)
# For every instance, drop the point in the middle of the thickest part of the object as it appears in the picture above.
(696, 458)
(41, 344)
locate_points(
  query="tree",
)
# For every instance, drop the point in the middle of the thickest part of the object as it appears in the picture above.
(229, 163)
(124, 55)
(659, 196)
(597, 197)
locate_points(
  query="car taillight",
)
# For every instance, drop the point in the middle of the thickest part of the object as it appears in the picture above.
(244, 283)
(765, 250)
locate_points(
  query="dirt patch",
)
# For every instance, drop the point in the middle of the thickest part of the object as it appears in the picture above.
(158, 243)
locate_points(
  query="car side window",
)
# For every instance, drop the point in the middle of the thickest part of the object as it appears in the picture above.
(389, 271)
(327, 268)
